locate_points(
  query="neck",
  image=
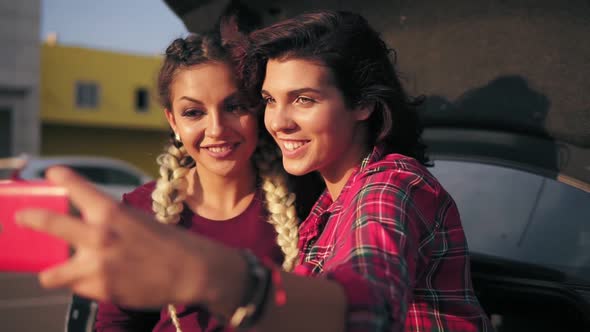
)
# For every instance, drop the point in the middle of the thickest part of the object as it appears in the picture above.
(337, 176)
(220, 197)
(335, 182)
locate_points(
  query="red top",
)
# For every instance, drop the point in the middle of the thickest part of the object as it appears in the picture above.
(248, 230)
(393, 239)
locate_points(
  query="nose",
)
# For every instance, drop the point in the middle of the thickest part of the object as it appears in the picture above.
(278, 119)
(215, 125)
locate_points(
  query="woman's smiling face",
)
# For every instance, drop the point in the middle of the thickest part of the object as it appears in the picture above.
(308, 117)
(218, 131)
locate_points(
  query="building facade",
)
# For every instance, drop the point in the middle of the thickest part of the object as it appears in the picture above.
(101, 103)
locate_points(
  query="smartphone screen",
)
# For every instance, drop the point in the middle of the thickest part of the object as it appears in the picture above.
(23, 249)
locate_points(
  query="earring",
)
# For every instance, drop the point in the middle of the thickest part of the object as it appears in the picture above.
(177, 138)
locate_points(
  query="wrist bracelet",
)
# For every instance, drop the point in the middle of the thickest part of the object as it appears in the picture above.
(258, 284)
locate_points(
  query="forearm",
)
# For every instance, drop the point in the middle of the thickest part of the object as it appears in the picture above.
(313, 304)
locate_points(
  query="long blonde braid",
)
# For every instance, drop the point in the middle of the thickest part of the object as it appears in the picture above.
(170, 192)
(280, 202)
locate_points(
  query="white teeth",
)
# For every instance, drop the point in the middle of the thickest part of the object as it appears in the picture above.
(219, 149)
(293, 145)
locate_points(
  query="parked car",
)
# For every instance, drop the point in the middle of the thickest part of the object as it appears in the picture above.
(525, 206)
(113, 176)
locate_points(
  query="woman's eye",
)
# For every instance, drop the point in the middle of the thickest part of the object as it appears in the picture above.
(267, 100)
(193, 113)
(304, 100)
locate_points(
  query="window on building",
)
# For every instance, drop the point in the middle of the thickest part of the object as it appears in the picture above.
(87, 94)
(5, 132)
(142, 100)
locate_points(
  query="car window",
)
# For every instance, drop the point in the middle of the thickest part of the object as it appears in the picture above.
(521, 216)
(559, 235)
(495, 204)
(108, 176)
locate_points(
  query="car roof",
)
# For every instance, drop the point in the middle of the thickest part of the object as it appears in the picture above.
(567, 163)
(71, 160)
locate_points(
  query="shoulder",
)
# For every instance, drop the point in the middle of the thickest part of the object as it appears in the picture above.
(395, 182)
(141, 197)
(399, 172)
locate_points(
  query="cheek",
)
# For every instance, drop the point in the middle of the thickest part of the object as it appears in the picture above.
(332, 128)
(193, 129)
(267, 121)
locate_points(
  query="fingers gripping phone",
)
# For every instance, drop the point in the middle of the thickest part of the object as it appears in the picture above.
(23, 249)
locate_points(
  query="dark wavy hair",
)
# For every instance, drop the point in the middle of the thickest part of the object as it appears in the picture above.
(360, 61)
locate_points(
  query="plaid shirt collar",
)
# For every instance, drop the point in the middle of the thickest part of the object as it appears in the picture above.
(325, 206)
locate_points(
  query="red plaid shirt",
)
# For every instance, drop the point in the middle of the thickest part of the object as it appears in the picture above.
(393, 239)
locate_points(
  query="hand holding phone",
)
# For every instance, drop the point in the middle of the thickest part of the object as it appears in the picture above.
(23, 249)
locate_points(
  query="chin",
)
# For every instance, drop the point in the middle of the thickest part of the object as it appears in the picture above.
(296, 169)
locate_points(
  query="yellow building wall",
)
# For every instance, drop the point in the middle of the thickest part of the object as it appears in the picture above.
(139, 147)
(118, 76)
(113, 129)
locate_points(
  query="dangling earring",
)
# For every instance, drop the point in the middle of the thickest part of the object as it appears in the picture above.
(177, 138)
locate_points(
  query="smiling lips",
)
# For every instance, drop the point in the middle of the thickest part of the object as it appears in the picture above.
(292, 148)
(220, 150)
(293, 145)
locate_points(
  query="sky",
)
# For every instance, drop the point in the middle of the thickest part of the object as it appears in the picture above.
(129, 26)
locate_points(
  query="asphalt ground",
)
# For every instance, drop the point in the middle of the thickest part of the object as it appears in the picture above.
(26, 307)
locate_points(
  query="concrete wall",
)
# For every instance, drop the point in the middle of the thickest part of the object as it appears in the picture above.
(19, 74)
(493, 60)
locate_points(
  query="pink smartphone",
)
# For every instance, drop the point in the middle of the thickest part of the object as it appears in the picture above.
(23, 249)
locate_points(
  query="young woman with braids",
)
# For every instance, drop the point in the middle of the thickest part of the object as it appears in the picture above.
(383, 248)
(220, 176)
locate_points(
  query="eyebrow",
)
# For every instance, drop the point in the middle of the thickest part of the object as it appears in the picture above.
(190, 99)
(233, 96)
(296, 91)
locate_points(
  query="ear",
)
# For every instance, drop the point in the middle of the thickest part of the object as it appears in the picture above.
(364, 111)
(171, 119)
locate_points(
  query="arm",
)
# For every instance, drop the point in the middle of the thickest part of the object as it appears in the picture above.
(117, 248)
(313, 304)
